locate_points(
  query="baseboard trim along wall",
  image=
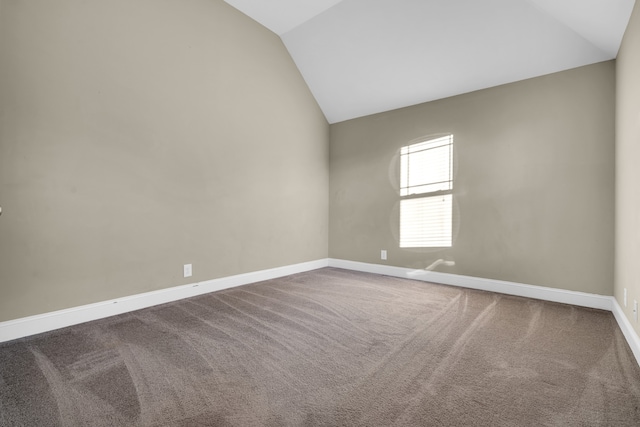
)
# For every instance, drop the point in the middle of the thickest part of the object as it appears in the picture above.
(510, 288)
(19, 328)
(627, 329)
(26, 326)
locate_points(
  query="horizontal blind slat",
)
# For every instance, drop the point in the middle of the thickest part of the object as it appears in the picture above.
(426, 221)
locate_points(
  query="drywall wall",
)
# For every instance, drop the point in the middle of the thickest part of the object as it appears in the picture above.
(627, 270)
(533, 182)
(136, 137)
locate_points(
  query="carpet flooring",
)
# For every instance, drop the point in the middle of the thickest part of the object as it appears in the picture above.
(328, 347)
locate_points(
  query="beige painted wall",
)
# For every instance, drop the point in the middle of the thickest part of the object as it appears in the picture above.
(533, 181)
(627, 270)
(139, 136)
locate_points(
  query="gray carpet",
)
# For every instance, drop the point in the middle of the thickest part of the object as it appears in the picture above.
(328, 348)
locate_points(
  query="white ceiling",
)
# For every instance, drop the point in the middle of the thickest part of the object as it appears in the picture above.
(361, 57)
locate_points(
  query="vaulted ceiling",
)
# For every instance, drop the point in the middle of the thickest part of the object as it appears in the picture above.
(361, 57)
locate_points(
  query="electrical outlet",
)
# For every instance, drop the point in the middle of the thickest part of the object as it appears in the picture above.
(383, 254)
(624, 297)
(635, 310)
(188, 270)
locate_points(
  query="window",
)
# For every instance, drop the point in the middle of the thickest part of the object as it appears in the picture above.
(426, 186)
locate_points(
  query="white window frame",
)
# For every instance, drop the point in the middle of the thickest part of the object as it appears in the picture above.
(426, 193)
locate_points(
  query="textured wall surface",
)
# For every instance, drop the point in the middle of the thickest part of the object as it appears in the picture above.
(136, 137)
(533, 182)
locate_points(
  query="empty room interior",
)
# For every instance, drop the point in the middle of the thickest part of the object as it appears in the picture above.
(336, 212)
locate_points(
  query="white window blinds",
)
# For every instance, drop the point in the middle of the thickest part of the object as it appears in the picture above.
(426, 185)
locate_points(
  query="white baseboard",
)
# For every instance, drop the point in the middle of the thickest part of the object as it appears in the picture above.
(627, 329)
(510, 288)
(32, 325)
